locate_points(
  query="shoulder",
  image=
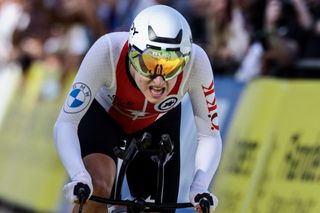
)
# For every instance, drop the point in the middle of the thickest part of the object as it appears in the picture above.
(199, 70)
(116, 37)
(198, 53)
(112, 40)
(107, 48)
(199, 63)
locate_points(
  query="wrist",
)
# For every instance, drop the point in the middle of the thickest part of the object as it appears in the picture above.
(82, 176)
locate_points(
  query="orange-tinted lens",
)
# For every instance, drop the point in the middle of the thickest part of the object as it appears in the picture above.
(158, 62)
(162, 66)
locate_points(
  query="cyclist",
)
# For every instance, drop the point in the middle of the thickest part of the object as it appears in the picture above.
(133, 82)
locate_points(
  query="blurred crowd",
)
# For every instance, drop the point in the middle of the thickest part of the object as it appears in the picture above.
(244, 39)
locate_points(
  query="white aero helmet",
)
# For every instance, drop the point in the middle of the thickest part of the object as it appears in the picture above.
(160, 42)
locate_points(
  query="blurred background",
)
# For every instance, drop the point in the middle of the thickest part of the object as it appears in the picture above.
(265, 56)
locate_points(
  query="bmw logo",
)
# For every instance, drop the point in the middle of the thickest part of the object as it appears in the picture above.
(78, 98)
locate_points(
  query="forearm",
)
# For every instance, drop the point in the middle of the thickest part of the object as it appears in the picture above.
(207, 160)
(68, 147)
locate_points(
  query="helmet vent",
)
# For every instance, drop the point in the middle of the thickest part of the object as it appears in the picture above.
(153, 37)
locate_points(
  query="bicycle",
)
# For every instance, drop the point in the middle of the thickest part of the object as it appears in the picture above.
(160, 156)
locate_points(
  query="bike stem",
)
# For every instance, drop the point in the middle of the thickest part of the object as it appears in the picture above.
(127, 156)
(166, 152)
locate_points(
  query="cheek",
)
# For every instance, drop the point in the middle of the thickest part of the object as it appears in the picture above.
(171, 83)
(141, 82)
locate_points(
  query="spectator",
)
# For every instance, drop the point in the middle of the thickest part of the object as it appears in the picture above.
(126, 10)
(311, 48)
(308, 65)
(286, 24)
(11, 18)
(228, 38)
(278, 42)
(197, 19)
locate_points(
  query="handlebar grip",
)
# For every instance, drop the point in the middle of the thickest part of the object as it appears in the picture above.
(82, 191)
(205, 201)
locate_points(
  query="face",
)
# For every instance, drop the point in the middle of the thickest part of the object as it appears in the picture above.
(155, 90)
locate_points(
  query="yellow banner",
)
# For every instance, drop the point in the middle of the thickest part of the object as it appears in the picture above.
(32, 176)
(271, 158)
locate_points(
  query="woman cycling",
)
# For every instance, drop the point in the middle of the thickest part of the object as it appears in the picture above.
(130, 83)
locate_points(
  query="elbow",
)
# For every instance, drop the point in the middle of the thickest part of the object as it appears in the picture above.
(216, 138)
(212, 142)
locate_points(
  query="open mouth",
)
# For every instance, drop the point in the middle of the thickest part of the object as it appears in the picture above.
(156, 91)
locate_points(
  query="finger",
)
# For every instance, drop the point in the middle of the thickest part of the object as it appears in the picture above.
(197, 208)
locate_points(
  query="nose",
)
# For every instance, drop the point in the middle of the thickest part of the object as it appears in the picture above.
(158, 80)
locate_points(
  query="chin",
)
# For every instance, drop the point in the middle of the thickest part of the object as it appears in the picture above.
(154, 100)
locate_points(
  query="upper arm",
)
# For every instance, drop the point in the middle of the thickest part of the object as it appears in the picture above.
(94, 72)
(202, 94)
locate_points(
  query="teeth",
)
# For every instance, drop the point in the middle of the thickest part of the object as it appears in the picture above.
(157, 88)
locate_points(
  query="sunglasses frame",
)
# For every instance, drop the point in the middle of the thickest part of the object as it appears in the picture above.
(138, 64)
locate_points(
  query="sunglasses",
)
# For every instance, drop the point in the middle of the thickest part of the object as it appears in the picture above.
(153, 62)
